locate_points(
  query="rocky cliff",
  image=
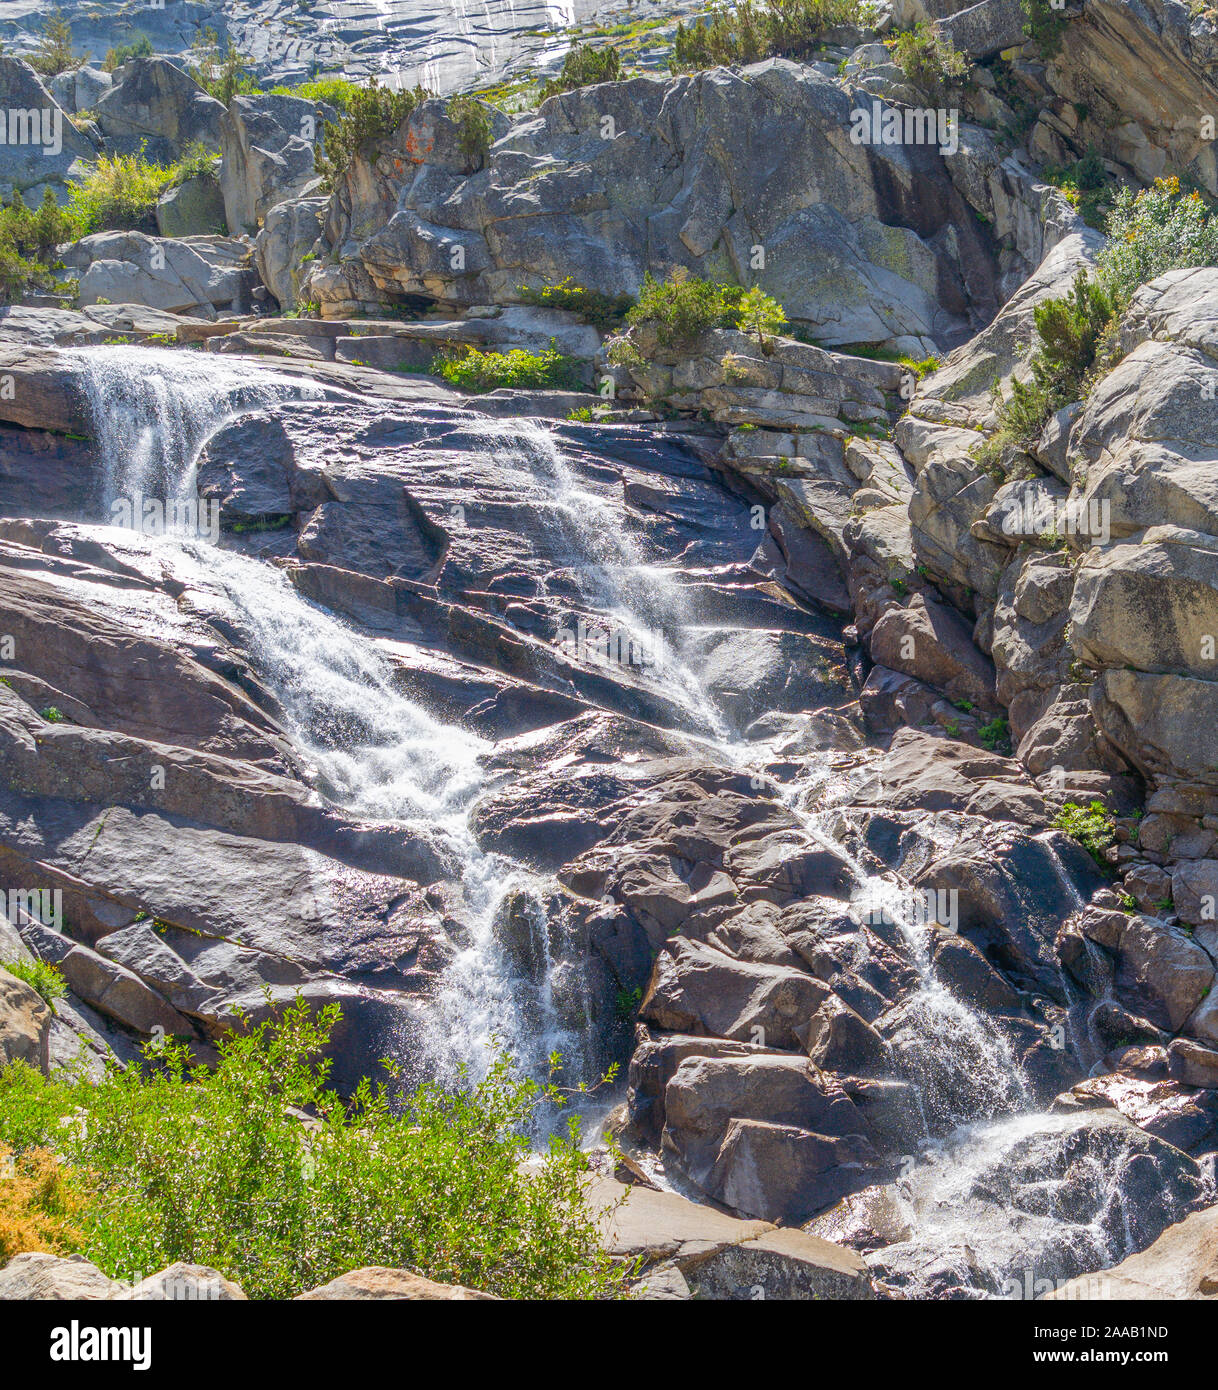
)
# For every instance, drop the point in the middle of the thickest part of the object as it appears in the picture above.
(727, 715)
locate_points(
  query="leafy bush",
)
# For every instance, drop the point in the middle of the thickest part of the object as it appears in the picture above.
(929, 60)
(603, 311)
(996, 735)
(372, 113)
(223, 73)
(139, 47)
(28, 238)
(1090, 826)
(118, 193)
(54, 52)
(40, 975)
(684, 306)
(584, 66)
(1086, 185)
(196, 160)
(39, 1204)
(757, 29)
(473, 129)
(1044, 25)
(1071, 334)
(211, 1167)
(760, 314)
(473, 370)
(335, 91)
(1151, 232)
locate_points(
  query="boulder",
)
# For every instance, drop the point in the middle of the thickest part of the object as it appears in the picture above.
(181, 1282)
(375, 1282)
(25, 1020)
(63, 1278)
(289, 232)
(1181, 1264)
(194, 208)
(154, 104)
(721, 1256)
(200, 276)
(43, 148)
(267, 143)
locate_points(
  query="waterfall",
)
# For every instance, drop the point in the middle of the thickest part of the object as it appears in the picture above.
(379, 756)
(370, 750)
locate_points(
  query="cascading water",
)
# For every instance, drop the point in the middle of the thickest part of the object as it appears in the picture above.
(371, 751)
(380, 756)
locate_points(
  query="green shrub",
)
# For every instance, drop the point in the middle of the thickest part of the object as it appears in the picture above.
(1090, 826)
(929, 60)
(996, 735)
(1151, 232)
(54, 52)
(211, 1167)
(473, 124)
(1087, 186)
(28, 238)
(473, 370)
(139, 47)
(584, 66)
(196, 160)
(760, 314)
(1072, 333)
(685, 306)
(334, 91)
(372, 113)
(1044, 25)
(40, 975)
(757, 29)
(603, 311)
(118, 193)
(223, 73)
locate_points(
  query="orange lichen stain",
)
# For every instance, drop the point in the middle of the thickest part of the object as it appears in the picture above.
(418, 147)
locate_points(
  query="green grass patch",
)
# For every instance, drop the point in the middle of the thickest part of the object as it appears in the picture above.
(40, 975)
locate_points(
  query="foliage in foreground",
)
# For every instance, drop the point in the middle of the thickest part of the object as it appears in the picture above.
(1090, 826)
(28, 238)
(182, 1163)
(757, 29)
(474, 370)
(41, 977)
